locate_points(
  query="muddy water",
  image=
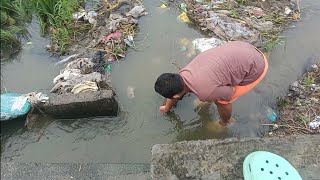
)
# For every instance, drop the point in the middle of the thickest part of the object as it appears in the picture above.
(129, 137)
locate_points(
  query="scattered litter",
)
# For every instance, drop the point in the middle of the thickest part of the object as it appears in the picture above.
(37, 98)
(129, 41)
(19, 103)
(79, 15)
(137, 11)
(315, 88)
(29, 43)
(299, 110)
(255, 11)
(114, 21)
(163, 6)
(183, 7)
(115, 35)
(82, 15)
(314, 67)
(67, 75)
(66, 82)
(203, 44)
(67, 59)
(84, 64)
(130, 92)
(85, 87)
(92, 14)
(108, 71)
(315, 123)
(287, 10)
(228, 28)
(183, 17)
(270, 114)
(183, 49)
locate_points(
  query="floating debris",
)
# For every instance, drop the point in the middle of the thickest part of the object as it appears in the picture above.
(203, 44)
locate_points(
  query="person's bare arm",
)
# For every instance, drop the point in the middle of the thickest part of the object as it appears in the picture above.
(225, 111)
(169, 104)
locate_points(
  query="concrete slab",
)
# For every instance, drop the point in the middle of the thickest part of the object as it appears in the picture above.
(43, 171)
(86, 104)
(222, 159)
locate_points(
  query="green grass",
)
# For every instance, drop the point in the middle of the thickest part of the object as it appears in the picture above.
(14, 16)
(57, 16)
(309, 80)
(272, 41)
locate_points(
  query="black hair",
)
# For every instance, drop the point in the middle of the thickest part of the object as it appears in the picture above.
(169, 84)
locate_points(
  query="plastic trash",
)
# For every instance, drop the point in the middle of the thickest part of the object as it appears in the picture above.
(183, 7)
(227, 28)
(163, 6)
(269, 114)
(183, 17)
(14, 105)
(67, 59)
(287, 10)
(85, 87)
(115, 35)
(130, 92)
(78, 15)
(92, 14)
(129, 41)
(137, 11)
(315, 123)
(203, 44)
(108, 70)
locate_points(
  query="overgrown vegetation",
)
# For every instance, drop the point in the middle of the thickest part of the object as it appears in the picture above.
(55, 17)
(14, 15)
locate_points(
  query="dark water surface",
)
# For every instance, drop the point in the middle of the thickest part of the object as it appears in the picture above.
(129, 137)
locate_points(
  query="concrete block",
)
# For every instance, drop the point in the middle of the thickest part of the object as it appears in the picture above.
(223, 159)
(86, 104)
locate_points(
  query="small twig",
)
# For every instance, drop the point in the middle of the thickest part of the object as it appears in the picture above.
(174, 63)
(298, 6)
(288, 126)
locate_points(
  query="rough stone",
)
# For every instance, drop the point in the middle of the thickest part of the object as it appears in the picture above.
(222, 159)
(49, 171)
(85, 104)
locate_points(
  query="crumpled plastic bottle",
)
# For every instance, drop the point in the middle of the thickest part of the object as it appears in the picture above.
(269, 113)
(315, 123)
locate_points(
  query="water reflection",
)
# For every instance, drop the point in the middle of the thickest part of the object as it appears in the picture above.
(203, 126)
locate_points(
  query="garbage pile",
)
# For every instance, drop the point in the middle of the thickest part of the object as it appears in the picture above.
(300, 109)
(82, 75)
(114, 26)
(250, 20)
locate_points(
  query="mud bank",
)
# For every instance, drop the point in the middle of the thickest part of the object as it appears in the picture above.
(257, 22)
(299, 110)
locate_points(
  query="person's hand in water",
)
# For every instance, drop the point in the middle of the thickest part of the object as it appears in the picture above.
(163, 109)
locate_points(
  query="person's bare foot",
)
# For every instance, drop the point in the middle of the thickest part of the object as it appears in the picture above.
(231, 121)
(214, 127)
